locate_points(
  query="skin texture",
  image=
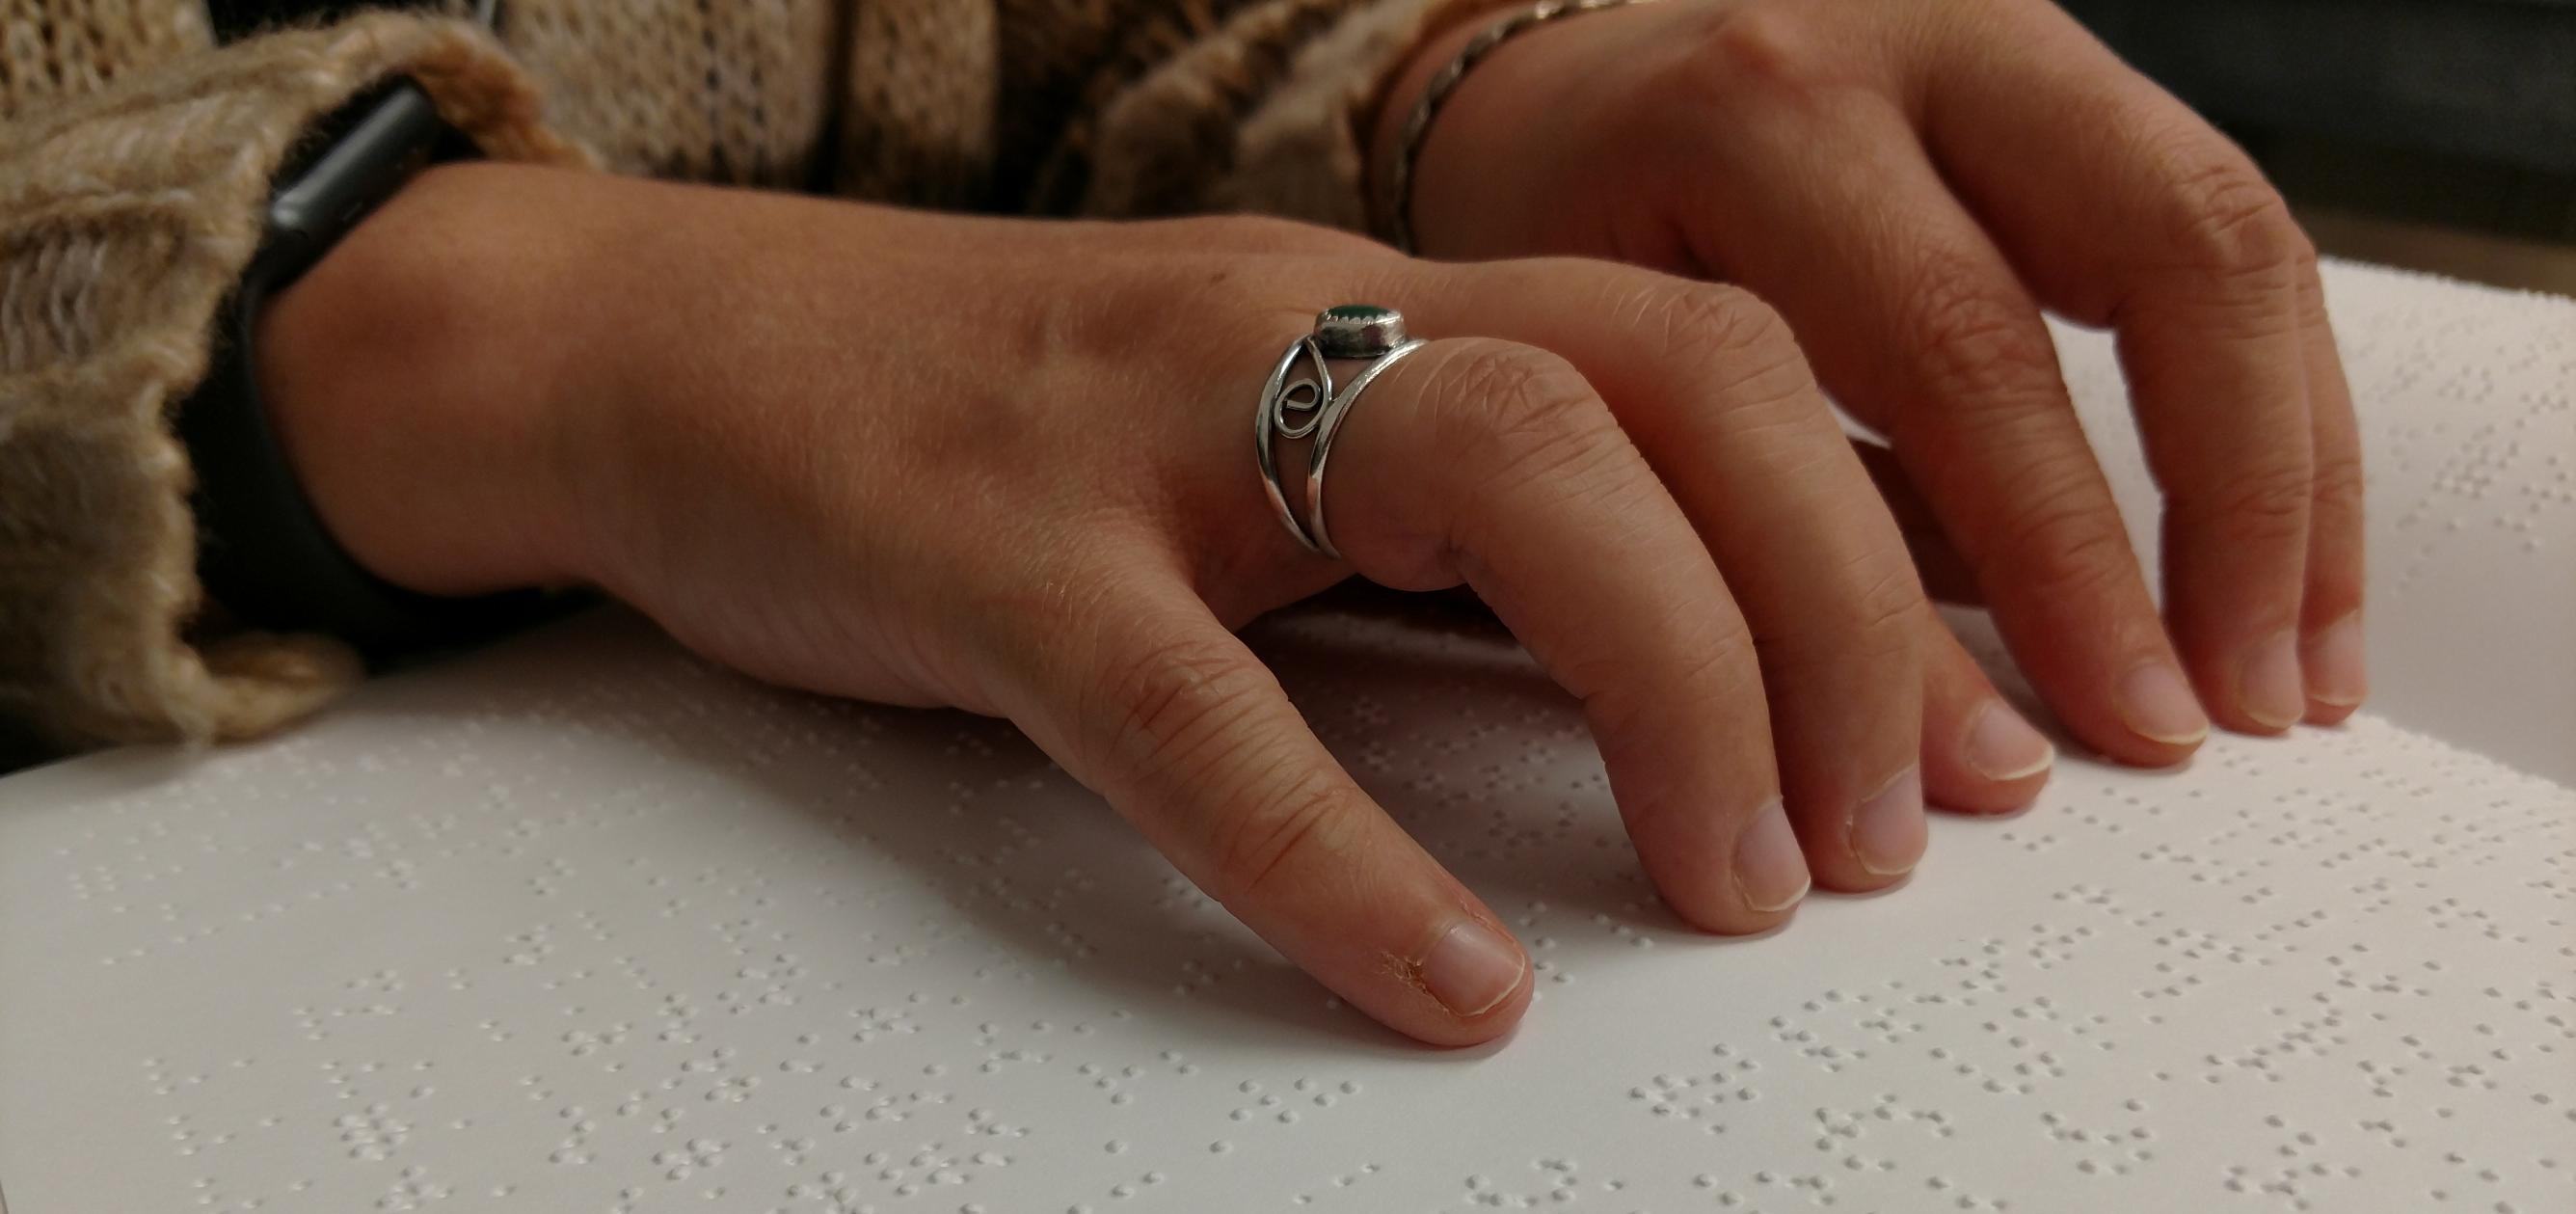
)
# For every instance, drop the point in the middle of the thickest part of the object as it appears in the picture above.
(1001, 465)
(1909, 182)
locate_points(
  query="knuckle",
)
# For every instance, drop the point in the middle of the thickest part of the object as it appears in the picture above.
(1699, 314)
(1737, 352)
(2228, 219)
(2267, 501)
(1883, 601)
(1513, 408)
(1764, 49)
(2338, 480)
(1874, 617)
(1977, 343)
(1733, 324)
(1301, 825)
(2065, 535)
(1171, 705)
(1720, 670)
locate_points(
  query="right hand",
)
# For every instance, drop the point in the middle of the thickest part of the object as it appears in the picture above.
(1004, 465)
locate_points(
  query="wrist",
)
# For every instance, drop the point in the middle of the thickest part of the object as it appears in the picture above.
(1403, 91)
(1534, 112)
(414, 383)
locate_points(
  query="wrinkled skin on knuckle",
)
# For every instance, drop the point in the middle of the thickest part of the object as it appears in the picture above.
(1514, 417)
(1872, 614)
(1305, 823)
(2224, 220)
(1687, 315)
(1486, 386)
(1720, 668)
(1881, 605)
(1974, 345)
(2267, 504)
(2337, 481)
(2059, 538)
(1164, 713)
(1888, 606)
(1737, 348)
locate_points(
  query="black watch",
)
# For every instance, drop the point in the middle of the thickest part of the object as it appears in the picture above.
(262, 552)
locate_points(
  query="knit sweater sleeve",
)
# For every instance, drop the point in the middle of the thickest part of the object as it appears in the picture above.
(134, 158)
(134, 162)
(1124, 107)
(1050, 107)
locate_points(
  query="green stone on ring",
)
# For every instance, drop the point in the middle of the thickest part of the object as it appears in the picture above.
(1358, 331)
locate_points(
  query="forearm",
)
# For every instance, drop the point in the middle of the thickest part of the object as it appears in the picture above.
(127, 213)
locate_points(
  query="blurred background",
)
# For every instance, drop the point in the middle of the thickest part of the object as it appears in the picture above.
(2437, 135)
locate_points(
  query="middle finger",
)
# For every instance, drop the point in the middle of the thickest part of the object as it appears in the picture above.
(1922, 328)
(1714, 392)
(1496, 464)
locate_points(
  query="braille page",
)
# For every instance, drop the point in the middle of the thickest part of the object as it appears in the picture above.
(580, 923)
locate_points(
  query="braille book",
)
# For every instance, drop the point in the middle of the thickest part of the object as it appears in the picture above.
(579, 922)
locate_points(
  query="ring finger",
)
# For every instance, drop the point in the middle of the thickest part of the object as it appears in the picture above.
(1497, 465)
(1708, 383)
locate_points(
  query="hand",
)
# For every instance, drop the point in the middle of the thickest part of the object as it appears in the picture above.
(1003, 465)
(1909, 182)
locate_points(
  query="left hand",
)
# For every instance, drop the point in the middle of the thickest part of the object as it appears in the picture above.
(1909, 182)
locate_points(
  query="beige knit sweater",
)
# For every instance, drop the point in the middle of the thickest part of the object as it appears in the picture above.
(135, 156)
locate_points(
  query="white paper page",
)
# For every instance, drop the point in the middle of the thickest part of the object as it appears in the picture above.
(2467, 402)
(580, 923)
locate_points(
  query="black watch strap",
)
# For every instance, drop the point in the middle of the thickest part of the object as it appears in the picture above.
(267, 557)
(263, 552)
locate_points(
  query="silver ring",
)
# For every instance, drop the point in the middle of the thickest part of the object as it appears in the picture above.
(1302, 385)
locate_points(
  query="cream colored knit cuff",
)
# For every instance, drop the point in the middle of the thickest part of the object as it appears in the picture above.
(125, 218)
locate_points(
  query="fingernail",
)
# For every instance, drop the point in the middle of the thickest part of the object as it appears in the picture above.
(1473, 968)
(2158, 706)
(1769, 869)
(1887, 831)
(2002, 746)
(2337, 664)
(2268, 688)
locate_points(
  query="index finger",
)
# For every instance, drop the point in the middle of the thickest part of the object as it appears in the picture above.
(1147, 698)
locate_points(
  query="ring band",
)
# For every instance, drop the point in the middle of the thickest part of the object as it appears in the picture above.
(1302, 384)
